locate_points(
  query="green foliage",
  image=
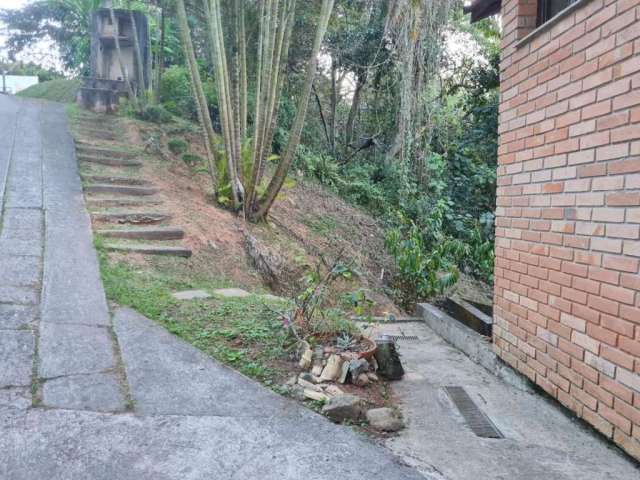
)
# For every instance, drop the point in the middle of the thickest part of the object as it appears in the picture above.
(155, 114)
(61, 90)
(192, 159)
(177, 146)
(244, 333)
(427, 259)
(176, 95)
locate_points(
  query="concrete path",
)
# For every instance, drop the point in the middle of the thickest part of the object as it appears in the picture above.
(85, 396)
(540, 440)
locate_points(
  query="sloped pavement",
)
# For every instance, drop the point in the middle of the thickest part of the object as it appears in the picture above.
(84, 395)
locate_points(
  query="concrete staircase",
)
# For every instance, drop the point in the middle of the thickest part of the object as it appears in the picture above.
(125, 208)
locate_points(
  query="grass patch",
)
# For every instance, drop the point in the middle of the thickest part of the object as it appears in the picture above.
(324, 225)
(243, 333)
(61, 90)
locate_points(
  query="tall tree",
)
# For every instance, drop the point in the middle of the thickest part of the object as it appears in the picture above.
(246, 169)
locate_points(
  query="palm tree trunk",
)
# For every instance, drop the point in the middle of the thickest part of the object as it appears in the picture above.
(196, 86)
(296, 130)
(138, 54)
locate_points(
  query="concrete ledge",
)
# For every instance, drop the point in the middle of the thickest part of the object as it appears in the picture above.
(475, 346)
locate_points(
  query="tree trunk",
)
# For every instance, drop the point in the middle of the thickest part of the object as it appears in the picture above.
(296, 130)
(219, 60)
(138, 56)
(196, 86)
(334, 106)
(160, 60)
(355, 105)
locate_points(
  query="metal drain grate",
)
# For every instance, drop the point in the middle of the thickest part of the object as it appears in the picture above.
(477, 421)
(406, 338)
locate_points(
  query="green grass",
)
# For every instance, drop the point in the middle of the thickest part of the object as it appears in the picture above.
(244, 333)
(61, 90)
(322, 225)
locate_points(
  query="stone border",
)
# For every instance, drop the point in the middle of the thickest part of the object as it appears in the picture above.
(472, 344)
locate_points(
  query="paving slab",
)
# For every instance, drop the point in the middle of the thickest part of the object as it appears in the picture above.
(14, 317)
(231, 292)
(18, 295)
(169, 376)
(65, 445)
(541, 441)
(15, 398)
(191, 295)
(74, 349)
(16, 357)
(100, 392)
(19, 270)
(29, 219)
(22, 247)
(72, 290)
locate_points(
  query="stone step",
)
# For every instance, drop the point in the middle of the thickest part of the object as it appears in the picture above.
(122, 189)
(95, 132)
(97, 135)
(115, 180)
(121, 202)
(133, 217)
(112, 162)
(86, 149)
(144, 233)
(150, 249)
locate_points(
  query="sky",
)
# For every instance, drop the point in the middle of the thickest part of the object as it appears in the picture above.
(41, 53)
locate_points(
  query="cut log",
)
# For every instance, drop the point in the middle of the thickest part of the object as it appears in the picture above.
(150, 249)
(130, 217)
(122, 189)
(148, 233)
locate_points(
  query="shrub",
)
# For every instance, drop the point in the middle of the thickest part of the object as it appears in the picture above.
(176, 96)
(192, 159)
(175, 92)
(177, 146)
(155, 114)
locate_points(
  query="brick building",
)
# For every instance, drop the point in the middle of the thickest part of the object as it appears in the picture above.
(567, 289)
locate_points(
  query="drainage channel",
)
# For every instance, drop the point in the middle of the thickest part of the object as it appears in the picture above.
(475, 418)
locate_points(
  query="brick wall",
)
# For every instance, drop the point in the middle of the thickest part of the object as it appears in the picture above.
(567, 301)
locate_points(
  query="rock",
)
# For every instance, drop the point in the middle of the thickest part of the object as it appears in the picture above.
(356, 367)
(361, 380)
(385, 419)
(333, 390)
(372, 377)
(308, 385)
(269, 264)
(344, 372)
(333, 369)
(306, 358)
(297, 392)
(344, 407)
(317, 370)
(388, 359)
(292, 381)
(308, 377)
(317, 396)
(190, 295)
